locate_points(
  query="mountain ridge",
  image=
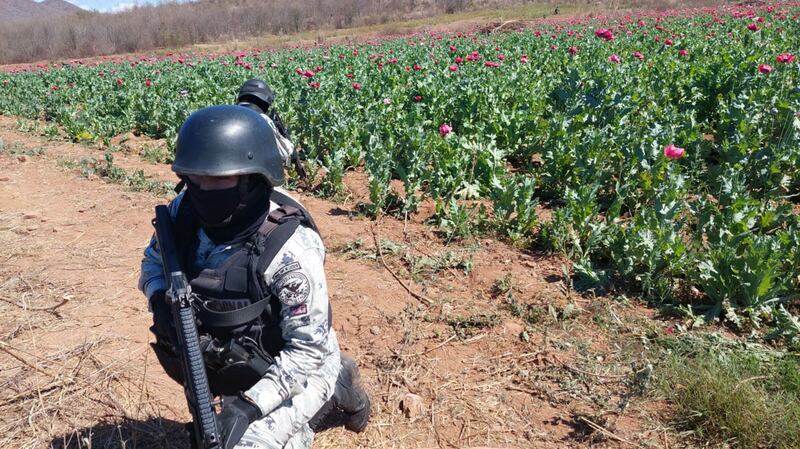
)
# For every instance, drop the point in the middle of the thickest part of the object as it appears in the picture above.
(13, 10)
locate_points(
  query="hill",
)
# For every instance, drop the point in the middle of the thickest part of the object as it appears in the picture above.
(12, 10)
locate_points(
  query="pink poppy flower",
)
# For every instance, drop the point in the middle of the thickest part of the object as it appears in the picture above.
(684, 52)
(356, 86)
(604, 33)
(453, 68)
(785, 58)
(764, 68)
(615, 59)
(673, 152)
(445, 129)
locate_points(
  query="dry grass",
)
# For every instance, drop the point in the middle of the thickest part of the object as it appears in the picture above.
(59, 391)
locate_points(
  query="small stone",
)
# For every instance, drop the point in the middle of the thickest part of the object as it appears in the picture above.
(412, 405)
(30, 215)
(4, 178)
(447, 309)
(22, 158)
(529, 264)
(375, 330)
(56, 229)
(32, 228)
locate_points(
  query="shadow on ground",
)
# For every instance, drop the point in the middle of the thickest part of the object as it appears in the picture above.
(154, 433)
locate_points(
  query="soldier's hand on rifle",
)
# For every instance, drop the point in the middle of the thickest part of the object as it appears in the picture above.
(163, 323)
(237, 414)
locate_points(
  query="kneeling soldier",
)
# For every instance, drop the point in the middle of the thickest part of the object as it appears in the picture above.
(255, 260)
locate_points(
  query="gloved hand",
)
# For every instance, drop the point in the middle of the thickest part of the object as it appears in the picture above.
(237, 414)
(163, 323)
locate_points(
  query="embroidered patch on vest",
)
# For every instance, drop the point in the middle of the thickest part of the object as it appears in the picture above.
(294, 266)
(293, 288)
(300, 310)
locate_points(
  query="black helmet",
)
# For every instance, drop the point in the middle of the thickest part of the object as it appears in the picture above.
(257, 92)
(228, 140)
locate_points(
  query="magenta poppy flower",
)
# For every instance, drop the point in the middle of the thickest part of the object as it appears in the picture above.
(615, 59)
(452, 48)
(764, 68)
(417, 67)
(523, 59)
(453, 68)
(785, 58)
(491, 64)
(313, 85)
(638, 55)
(673, 152)
(459, 60)
(356, 86)
(753, 27)
(501, 57)
(54, 88)
(445, 129)
(148, 83)
(603, 33)
(119, 82)
(573, 50)
(684, 52)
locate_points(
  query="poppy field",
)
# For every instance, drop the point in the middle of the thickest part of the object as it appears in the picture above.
(659, 151)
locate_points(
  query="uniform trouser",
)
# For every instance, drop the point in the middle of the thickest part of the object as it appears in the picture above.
(287, 426)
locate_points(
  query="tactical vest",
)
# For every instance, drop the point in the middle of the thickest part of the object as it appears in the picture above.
(238, 316)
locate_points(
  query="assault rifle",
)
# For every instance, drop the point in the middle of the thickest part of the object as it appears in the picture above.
(179, 294)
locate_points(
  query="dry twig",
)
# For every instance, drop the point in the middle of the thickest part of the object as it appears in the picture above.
(425, 300)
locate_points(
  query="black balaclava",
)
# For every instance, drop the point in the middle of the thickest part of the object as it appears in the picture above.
(231, 215)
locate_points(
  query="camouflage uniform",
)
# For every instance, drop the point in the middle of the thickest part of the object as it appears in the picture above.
(304, 375)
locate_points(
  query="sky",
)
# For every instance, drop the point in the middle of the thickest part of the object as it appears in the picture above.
(111, 5)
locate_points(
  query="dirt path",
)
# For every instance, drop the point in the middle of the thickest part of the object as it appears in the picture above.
(505, 356)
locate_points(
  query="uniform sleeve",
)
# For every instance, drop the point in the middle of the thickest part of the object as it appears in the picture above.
(151, 278)
(298, 280)
(285, 146)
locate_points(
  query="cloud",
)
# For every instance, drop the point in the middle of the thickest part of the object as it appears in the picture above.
(123, 6)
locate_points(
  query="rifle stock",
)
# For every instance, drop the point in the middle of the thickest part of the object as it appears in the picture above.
(179, 293)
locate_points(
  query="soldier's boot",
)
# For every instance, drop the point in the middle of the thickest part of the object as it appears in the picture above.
(349, 406)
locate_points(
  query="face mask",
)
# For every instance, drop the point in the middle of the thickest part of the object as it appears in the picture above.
(213, 207)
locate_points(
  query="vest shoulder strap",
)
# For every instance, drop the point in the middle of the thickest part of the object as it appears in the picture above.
(283, 199)
(279, 227)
